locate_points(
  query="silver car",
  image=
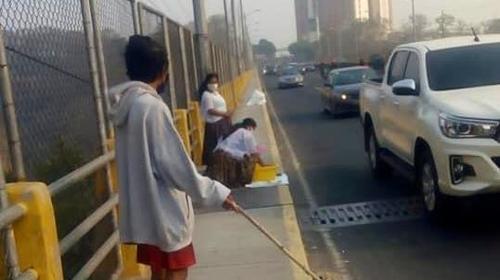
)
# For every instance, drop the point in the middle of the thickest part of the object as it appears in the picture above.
(344, 85)
(290, 77)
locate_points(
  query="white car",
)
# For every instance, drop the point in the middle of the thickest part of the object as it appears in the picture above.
(436, 117)
(290, 77)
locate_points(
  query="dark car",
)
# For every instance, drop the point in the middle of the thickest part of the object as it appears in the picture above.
(310, 67)
(269, 70)
(342, 95)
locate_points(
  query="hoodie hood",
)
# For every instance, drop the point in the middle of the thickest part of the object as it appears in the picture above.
(122, 97)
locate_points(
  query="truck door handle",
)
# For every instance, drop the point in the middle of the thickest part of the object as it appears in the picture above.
(396, 103)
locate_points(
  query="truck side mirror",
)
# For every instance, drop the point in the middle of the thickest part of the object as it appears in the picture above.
(406, 87)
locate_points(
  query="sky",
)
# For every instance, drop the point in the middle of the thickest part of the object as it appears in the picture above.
(276, 19)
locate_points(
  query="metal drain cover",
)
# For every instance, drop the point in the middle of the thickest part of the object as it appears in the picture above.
(371, 212)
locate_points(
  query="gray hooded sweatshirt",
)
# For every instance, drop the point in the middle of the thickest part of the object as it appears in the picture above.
(157, 178)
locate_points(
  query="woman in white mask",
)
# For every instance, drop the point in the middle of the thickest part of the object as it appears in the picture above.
(216, 115)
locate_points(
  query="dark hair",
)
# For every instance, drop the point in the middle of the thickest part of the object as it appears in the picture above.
(249, 122)
(204, 85)
(145, 59)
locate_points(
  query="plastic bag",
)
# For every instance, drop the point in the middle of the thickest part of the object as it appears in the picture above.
(257, 98)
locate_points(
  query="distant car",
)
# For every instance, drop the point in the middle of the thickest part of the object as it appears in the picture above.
(310, 67)
(269, 70)
(290, 77)
(344, 86)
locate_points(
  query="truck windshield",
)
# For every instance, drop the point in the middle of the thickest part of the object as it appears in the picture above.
(464, 67)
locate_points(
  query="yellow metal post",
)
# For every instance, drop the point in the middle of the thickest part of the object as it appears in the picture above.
(36, 233)
(196, 125)
(182, 125)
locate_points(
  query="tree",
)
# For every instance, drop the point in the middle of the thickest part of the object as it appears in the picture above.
(445, 24)
(492, 26)
(360, 40)
(303, 50)
(265, 47)
(217, 30)
(461, 28)
(421, 27)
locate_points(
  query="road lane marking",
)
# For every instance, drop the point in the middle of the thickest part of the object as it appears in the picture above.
(339, 262)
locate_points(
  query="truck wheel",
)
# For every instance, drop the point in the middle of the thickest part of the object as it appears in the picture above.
(427, 179)
(378, 166)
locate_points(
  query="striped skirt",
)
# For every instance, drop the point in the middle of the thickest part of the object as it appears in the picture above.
(213, 132)
(232, 172)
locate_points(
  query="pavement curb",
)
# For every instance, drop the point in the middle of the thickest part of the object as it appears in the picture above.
(273, 206)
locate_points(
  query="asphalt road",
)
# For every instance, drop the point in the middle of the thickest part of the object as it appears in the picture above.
(332, 169)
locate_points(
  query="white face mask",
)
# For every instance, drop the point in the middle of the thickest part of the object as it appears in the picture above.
(213, 87)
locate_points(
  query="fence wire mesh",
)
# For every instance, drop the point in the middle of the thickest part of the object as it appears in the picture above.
(177, 64)
(53, 95)
(152, 25)
(46, 51)
(191, 67)
(116, 25)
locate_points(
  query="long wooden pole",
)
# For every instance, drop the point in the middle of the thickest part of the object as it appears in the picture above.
(277, 243)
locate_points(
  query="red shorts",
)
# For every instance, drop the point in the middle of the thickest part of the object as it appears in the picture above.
(159, 260)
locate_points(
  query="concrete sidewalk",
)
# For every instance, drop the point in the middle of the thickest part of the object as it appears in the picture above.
(228, 246)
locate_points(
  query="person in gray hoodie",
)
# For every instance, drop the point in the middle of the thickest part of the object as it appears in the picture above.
(157, 178)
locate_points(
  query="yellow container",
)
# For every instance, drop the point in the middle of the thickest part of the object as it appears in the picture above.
(265, 173)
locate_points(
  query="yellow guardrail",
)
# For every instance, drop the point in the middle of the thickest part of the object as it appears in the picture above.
(32, 214)
(196, 132)
(37, 252)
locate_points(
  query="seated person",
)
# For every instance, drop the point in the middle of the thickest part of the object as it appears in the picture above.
(236, 156)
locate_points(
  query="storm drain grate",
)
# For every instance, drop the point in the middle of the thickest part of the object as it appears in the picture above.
(372, 212)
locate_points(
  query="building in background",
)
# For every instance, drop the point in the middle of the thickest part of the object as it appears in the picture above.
(307, 21)
(381, 10)
(331, 17)
(334, 14)
(301, 19)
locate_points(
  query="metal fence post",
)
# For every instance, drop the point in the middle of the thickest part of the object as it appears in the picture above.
(135, 16)
(8, 240)
(91, 53)
(140, 21)
(171, 74)
(14, 139)
(195, 62)
(184, 65)
(212, 54)
(101, 67)
(219, 60)
(222, 64)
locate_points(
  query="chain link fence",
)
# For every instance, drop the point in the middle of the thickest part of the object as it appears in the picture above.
(46, 51)
(57, 113)
(177, 64)
(115, 29)
(152, 25)
(190, 63)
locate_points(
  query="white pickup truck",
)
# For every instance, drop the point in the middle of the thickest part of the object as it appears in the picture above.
(436, 117)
